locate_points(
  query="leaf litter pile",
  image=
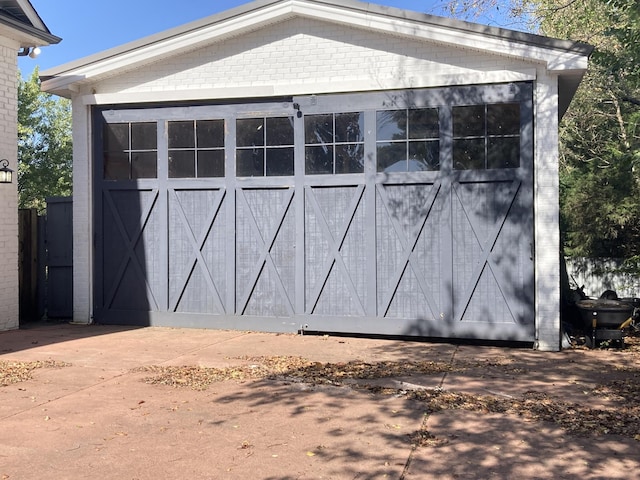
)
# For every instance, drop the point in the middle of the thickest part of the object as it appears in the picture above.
(575, 418)
(15, 372)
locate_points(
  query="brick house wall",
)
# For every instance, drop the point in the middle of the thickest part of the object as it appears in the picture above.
(9, 192)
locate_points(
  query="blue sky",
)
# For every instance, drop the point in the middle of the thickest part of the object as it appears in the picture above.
(89, 27)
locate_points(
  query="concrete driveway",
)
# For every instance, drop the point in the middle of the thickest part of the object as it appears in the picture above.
(89, 411)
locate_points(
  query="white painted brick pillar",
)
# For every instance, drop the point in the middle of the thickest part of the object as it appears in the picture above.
(9, 294)
(547, 215)
(82, 214)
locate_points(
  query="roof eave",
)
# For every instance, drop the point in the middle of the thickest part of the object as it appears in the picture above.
(28, 35)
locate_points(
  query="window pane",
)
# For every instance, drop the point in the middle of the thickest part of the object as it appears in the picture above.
(143, 165)
(318, 160)
(468, 121)
(318, 129)
(424, 123)
(116, 137)
(210, 163)
(182, 135)
(210, 133)
(250, 162)
(116, 166)
(182, 164)
(249, 132)
(503, 119)
(144, 136)
(392, 157)
(503, 152)
(349, 127)
(424, 156)
(279, 161)
(391, 125)
(468, 154)
(280, 131)
(350, 158)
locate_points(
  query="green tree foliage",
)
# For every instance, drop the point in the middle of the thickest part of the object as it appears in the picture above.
(600, 138)
(44, 144)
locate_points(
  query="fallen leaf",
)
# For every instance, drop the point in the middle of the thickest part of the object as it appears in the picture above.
(15, 372)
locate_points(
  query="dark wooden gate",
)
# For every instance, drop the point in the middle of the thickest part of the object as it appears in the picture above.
(59, 248)
(46, 261)
(29, 262)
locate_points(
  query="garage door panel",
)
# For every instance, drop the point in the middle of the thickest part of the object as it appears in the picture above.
(482, 208)
(265, 251)
(491, 267)
(132, 224)
(131, 293)
(409, 219)
(409, 299)
(113, 249)
(487, 303)
(197, 266)
(335, 239)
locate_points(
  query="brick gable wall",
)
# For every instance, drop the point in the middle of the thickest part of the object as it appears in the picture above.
(304, 55)
(8, 192)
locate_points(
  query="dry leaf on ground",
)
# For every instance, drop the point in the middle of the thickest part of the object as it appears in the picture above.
(14, 372)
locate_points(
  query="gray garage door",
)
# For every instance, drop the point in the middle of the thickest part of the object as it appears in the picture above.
(398, 213)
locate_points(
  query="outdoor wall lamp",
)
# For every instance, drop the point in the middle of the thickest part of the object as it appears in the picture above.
(33, 52)
(6, 173)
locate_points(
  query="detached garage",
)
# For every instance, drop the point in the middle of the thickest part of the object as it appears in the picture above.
(325, 166)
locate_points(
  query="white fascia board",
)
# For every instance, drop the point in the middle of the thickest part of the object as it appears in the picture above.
(564, 62)
(32, 15)
(63, 86)
(22, 36)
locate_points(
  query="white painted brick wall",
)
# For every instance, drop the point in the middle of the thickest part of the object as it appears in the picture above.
(305, 52)
(8, 192)
(547, 214)
(82, 218)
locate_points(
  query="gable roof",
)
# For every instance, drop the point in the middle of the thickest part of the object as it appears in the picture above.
(567, 59)
(25, 23)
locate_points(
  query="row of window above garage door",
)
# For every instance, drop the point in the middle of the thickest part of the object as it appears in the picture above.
(460, 137)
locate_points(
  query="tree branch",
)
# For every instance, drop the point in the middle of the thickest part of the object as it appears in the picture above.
(633, 101)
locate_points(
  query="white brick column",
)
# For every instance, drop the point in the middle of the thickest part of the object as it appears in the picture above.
(547, 215)
(82, 214)
(9, 294)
